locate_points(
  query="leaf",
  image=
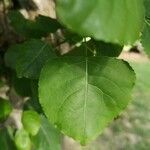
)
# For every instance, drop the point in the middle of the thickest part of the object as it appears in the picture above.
(81, 95)
(31, 122)
(22, 86)
(5, 141)
(96, 48)
(146, 38)
(147, 8)
(105, 49)
(22, 140)
(72, 38)
(116, 21)
(37, 28)
(5, 108)
(34, 98)
(33, 102)
(48, 138)
(29, 57)
(81, 50)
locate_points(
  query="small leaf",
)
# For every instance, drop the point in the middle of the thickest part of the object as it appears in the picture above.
(116, 21)
(71, 37)
(96, 48)
(147, 8)
(22, 140)
(37, 28)
(81, 95)
(6, 142)
(34, 98)
(33, 102)
(48, 138)
(146, 38)
(81, 50)
(22, 86)
(105, 49)
(5, 108)
(29, 57)
(31, 122)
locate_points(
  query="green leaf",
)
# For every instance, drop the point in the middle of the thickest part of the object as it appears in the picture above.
(48, 138)
(81, 50)
(96, 48)
(33, 102)
(6, 142)
(29, 57)
(5, 108)
(82, 95)
(105, 49)
(35, 98)
(72, 38)
(147, 8)
(146, 38)
(31, 121)
(117, 21)
(22, 86)
(22, 140)
(37, 28)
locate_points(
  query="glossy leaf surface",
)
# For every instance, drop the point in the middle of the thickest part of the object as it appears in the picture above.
(81, 95)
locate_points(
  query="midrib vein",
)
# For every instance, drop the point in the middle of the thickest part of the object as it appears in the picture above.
(85, 94)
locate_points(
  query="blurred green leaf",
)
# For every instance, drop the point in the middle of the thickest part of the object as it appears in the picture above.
(6, 142)
(116, 21)
(147, 8)
(48, 138)
(105, 49)
(35, 97)
(71, 37)
(33, 102)
(146, 38)
(31, 121)
(146, 31)
(22, 140)
(96, 48)
(22, 86)
(5, 108)
(29, 57)
(37, 28)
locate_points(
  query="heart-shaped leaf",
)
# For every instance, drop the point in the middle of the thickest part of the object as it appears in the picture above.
(81, 95)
